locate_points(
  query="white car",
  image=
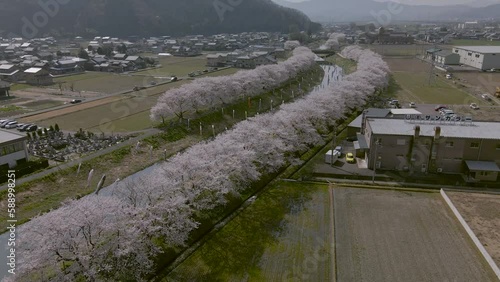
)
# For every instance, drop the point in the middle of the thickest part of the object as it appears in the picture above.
(449, 76)
(12, 124)
(474, 106)
(486, 97)
(412, 105)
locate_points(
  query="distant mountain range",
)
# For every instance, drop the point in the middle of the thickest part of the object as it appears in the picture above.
(368, 10)
(28, 18)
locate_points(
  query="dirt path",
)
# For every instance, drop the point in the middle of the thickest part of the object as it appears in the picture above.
(71, 109)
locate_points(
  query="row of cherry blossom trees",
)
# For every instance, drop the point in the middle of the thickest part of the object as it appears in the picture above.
(210, 92)
(334, 41)
(291, 44)
(111, 237)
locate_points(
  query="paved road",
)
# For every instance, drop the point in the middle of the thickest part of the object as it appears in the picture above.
(73, 163)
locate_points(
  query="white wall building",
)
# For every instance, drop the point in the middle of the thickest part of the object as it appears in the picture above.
(13, 149)
(480, 57)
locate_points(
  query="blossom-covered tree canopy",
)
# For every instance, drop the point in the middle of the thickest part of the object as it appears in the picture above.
(106, 236)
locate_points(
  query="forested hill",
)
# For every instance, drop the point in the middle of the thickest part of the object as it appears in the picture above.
(146, 17)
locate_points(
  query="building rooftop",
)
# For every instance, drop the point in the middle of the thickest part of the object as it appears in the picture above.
(481, 49)
(9, 136)
(32, 70)
(470, 130)
(405, 112)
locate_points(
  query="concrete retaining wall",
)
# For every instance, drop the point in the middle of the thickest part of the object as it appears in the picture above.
(471, 234)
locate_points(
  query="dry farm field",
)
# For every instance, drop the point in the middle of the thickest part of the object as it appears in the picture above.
(482, 213)
(384, 235)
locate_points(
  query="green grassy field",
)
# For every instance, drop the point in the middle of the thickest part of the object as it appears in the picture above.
(415, 87)
(469, 42)
(283, 236)
(399, 50)
(179, 66)
(105, 82)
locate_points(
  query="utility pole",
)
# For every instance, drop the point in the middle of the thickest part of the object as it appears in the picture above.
(375, 162)
(431, 71)
(334, 141)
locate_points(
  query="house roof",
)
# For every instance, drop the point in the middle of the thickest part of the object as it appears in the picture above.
(482, 166)
(66, 62)
(6, 67)
(132, 58)
(33, 70)
(481, 49)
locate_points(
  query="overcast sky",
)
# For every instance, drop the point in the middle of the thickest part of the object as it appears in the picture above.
(437, 2)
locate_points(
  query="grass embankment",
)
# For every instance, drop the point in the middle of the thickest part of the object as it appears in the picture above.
(349, 66)
(416, 87)
(43, 195)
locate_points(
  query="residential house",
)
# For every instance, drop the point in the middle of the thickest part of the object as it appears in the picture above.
(9, 72)
(447, 58)
(217, 60)
(137, 61)
(38, 77)
(65, 66)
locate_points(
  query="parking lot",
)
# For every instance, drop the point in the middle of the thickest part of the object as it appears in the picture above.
(10, 124)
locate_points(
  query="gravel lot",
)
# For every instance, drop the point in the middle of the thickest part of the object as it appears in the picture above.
(482, 213)
(402, 236)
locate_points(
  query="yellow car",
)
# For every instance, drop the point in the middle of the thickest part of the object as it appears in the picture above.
(350, 158)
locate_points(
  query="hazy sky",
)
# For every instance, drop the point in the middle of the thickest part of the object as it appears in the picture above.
(437, 2)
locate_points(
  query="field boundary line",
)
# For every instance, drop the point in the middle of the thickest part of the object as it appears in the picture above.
(473, 236)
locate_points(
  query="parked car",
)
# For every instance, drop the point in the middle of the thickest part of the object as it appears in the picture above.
(394, 102)
(439, 107)
(174, 78)
(75, 101)
(486, 97)
(24, 127)
(474, 106)
(32, 128)
(5, 122)
(337, 151)
(449, 76)
(413, 105)
(10, 125)
(447, 112)
(19, 125)
(350, 158)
